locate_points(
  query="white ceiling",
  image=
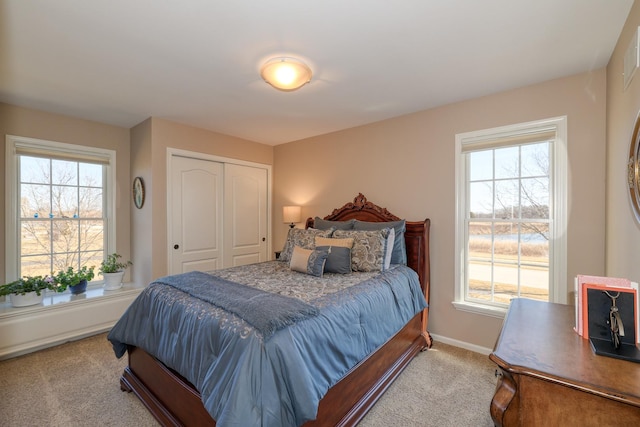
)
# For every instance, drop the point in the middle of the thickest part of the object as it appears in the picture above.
(197, 61)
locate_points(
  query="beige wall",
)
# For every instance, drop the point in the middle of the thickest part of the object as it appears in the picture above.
(150, 141)
(142, 219)
(53, 127)
(623, 232)
(141, 233)
(406, 164)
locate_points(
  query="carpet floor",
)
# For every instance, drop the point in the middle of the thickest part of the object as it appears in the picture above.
(77, 384)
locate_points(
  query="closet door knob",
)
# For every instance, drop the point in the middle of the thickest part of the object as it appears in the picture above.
(176, 246)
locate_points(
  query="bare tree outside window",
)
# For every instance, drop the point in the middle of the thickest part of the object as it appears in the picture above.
(61, 214)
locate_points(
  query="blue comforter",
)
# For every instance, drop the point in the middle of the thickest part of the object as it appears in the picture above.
(248, 379)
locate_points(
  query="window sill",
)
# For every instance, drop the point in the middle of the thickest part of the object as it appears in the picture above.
(52, 300)
(62, 317)
(485, 310)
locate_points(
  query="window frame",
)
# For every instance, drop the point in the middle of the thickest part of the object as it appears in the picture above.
(15, 144)
(513, 135)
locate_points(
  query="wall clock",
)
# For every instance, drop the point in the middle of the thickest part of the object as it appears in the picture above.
(138, 192)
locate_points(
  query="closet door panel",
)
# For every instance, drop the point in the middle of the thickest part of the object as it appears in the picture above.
(196, 197)
(245, 215)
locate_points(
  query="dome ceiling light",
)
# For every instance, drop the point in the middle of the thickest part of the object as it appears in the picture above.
(286, 74)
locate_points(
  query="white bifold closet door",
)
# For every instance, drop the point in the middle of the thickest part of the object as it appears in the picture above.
(245, 215)
(218, 215)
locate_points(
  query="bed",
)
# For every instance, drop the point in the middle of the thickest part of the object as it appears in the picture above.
(173, 400)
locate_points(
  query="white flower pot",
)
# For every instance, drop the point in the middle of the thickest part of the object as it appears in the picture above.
(113, 281)
(30, 298)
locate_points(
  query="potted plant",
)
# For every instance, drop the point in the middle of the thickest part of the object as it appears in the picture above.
(28, 290)
(75, 280)
(112, 270)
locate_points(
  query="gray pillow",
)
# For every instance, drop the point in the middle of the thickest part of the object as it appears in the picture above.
(399, 254)
(339, 259)
(323, 224)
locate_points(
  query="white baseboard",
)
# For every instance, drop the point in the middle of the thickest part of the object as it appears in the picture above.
(462, 344)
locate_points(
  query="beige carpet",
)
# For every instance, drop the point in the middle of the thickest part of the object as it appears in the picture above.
(77, 384)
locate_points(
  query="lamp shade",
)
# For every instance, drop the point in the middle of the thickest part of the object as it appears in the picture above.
(286, 74)
(291, 214)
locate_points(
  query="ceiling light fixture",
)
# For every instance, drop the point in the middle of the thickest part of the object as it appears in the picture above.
(285, 73)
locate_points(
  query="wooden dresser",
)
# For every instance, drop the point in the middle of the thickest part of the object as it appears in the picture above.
(550, 376)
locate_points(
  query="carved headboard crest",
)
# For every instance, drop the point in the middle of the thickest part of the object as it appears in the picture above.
(361, 204)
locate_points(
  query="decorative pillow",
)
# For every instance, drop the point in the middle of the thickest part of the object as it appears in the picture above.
(369, 248)
(308, 261)
(339, 259)
(399, 255)
(323, 224)
(304, 238)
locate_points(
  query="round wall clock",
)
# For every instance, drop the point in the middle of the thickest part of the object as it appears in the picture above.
(138, 192)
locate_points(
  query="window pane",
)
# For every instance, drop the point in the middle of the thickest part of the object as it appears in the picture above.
(505, 267)
(39, 265)
(35, 201)
(65, 201)
(481, 200)
(535, 232)
(480, 256)
(507, 163)
(535, 198)
(35, 237)
(505, 281)
(62, 261)
(34, 170)
(480, 240)
(93, 259)
(90, 203)
(506, 251)
(535, 260)
(479, 281)
(481, 165)
(92, 236)
(65, 235)
(507, 199)
(64, 172)
(90, 175)
(535, 159)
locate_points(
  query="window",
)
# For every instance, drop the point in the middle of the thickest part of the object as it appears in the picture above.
(59, 206)
(511, 215)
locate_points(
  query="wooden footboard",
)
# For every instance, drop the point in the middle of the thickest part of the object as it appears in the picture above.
(173, 401)
(350, 399)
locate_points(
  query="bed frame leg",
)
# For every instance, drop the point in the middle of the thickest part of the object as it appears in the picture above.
(124, 385)
(427, 337)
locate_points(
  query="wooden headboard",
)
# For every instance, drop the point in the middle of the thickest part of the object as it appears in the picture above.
(416, 235)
